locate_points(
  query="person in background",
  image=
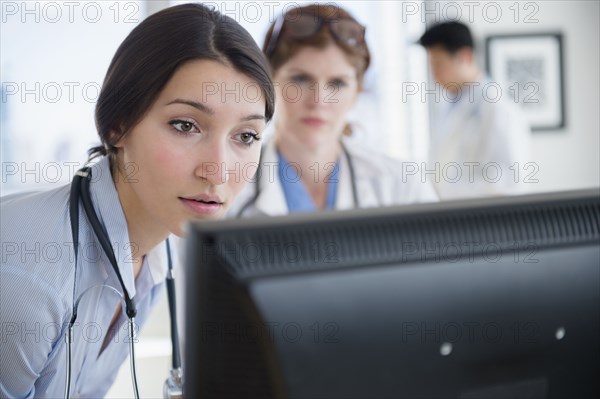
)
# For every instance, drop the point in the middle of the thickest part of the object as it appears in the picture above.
(165, 133)
(318, 57)
(479, 136)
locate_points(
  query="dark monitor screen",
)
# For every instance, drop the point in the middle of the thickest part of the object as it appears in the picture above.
(491, 298)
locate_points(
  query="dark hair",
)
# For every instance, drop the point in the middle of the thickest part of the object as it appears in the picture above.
(452, 36)
(286, 48)
(152, 52)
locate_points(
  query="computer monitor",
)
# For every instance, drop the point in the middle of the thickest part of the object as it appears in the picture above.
(491, 298)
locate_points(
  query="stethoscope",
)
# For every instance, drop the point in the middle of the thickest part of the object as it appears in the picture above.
(258, 188)
(80, 189)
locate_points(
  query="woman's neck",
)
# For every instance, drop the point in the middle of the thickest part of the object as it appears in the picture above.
(144, 231)
(315, 163)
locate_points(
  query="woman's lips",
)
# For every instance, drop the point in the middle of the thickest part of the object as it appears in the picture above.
(200, 207)
(313, 122)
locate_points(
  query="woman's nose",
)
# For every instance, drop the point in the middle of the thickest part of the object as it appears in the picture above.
(319, 94)
(213, 164)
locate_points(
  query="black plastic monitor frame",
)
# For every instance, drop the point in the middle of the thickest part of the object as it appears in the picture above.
(497, 297)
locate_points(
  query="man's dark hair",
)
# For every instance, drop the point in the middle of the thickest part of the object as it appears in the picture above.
(452, 36)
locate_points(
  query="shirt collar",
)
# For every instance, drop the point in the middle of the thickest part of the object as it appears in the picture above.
(297, 197)
(158, 261)
(294, 191)
(107, 206)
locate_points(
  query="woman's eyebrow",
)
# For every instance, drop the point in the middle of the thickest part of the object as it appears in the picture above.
(296, 71)
(211, 112)
(195, 104)
(253, 117)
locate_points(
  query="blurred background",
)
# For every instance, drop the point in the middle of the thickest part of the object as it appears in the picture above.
(53, 57)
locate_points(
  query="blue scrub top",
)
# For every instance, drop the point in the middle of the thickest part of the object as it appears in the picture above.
(296, 195)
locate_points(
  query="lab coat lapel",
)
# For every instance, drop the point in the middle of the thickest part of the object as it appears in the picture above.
(271, 200)
(367, 188)
(344, 198)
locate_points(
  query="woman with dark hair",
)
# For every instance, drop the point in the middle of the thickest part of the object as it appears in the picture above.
(318, 57)
(86, 261)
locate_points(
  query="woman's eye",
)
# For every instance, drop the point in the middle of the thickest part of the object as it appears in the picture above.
(248, 138)
(337, 83)
(183, 126)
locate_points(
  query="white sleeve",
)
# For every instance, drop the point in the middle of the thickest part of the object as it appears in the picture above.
(508, 144)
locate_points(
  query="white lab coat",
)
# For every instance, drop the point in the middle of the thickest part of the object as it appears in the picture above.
(480, 147)
(379, 182)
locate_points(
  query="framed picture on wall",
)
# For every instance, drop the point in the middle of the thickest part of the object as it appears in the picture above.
(529, 68)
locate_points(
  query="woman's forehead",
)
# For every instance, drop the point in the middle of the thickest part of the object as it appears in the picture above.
(330, 60)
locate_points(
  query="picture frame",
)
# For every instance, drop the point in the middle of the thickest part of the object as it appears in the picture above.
(529, 69)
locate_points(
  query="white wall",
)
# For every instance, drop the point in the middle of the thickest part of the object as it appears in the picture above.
(53, 58)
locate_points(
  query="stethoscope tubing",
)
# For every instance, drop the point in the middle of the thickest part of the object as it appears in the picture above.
(258, 175)
(80, 191)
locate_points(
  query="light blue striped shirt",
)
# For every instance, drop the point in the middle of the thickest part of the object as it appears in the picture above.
(36, 292)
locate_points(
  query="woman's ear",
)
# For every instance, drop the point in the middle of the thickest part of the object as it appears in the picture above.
(116, 137)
